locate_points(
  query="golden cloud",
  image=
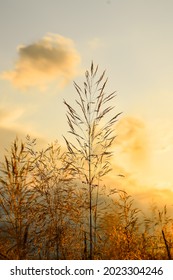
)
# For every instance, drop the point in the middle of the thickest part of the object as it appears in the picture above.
(11, 126)
(9, 118)
(53, 58)
(133, 139)
(144, 195)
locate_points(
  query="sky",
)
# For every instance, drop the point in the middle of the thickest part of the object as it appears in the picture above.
(47, 44)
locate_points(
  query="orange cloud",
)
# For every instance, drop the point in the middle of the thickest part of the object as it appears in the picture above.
(53, 58)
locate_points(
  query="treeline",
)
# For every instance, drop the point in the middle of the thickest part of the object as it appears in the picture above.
(44, 213)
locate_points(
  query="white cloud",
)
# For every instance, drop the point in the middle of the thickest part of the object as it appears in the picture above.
(53, 58)
(95, 43)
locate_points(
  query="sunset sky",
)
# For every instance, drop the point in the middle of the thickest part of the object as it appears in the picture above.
(46, 44)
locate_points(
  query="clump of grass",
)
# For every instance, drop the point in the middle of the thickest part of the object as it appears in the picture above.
(16, 200)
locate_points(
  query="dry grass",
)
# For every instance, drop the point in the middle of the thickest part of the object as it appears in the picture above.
(54, 205)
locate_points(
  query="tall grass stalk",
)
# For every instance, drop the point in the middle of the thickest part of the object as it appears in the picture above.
(89, 154)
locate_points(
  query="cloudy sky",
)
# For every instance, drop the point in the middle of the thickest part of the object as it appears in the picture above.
(46, 44)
